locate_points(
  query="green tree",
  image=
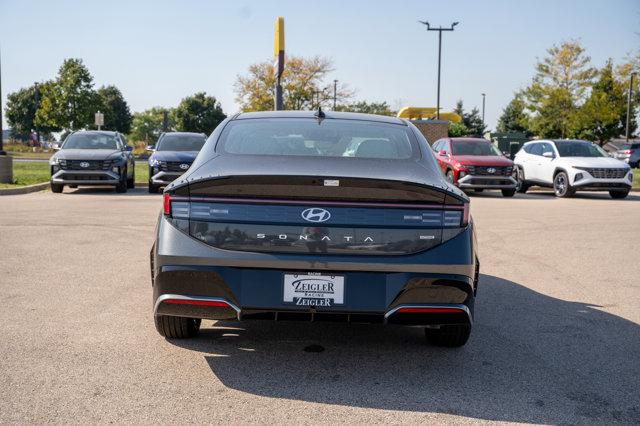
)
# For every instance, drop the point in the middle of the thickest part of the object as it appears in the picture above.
(115, 109)
(457, 130)
(71, 102)
(198, 113)
(148, 125)
(303, 85)
(603, 115)
(558, 88)
(380, 108)
(20, 111)
(472, 121)
(514, 117)
(623, 74)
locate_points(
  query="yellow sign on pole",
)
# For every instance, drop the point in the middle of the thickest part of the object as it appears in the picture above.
(278, 60)
(278, 42)
(278, 47)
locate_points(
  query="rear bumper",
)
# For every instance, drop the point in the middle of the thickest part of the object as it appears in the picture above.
(487, 182)
(164, 178)
(376, 287)
(85, 177)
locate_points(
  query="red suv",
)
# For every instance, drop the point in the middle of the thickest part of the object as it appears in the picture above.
(474, 163)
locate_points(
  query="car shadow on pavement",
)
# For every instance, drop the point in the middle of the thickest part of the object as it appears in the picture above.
(549, 195)
(531, 358)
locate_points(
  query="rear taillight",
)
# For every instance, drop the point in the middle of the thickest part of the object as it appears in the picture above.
(212, 303)
(465, 214)
(627, 151)
(167, 203)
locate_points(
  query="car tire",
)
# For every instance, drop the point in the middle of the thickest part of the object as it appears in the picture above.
(56, 188)
(121, 187)
(619, 194)
(521, 186)
(449, 176)
(508, 192)
(153, 189)
(448, 335)
(131, 183)
(479, 189)
(561, 186)
(177, 327)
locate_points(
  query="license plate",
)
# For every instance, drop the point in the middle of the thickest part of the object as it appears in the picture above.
(313, 289)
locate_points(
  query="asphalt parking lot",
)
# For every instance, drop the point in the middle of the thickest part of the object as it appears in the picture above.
(556, 337)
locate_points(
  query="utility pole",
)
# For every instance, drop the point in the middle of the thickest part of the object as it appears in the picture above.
(37, 99)
(483, 98)
(1, 127)
(439, 30)
(335, 93)
(165, 121)
(633, 74)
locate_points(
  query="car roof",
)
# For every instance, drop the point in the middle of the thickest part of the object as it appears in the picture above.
(328, 115)
(569, 140)
(183, 133)
(469, 140)
(102, 132)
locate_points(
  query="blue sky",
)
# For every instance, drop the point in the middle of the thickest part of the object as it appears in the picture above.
(157, 52)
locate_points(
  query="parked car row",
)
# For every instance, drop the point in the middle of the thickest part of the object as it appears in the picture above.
(566, 166)
(105, 158)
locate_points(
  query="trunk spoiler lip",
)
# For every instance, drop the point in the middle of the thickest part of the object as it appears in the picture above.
(188, 181)
(279, 201)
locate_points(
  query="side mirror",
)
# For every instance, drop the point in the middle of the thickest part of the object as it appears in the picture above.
(548, 154)
(128, 148)
(150, 148)
(443, 153)
(56, 147)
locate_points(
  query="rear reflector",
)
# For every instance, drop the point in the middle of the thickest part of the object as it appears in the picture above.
(213, 303)
(429, 311)
(167, 203)
(465, 214)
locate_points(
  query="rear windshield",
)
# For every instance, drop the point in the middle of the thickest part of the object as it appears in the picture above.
(579, 149)
(474, 148)
(308, 137)
(626, 146)
(171, 142)
(90, 141)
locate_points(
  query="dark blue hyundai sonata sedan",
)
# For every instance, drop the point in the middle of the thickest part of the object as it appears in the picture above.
(315, 216)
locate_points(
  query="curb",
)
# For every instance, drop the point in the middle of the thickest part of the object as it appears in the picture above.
(40, 187)
(25, 189)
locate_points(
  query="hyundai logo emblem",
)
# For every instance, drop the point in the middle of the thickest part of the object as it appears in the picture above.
(184, 166)
(316, 215)
(491, 170)
(84, 164)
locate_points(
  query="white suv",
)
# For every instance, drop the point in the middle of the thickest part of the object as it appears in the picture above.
(571, 165)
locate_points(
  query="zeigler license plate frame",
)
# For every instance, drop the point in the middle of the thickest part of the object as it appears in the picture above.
(313, 289)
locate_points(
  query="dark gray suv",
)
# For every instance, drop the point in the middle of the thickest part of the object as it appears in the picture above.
(93, 158)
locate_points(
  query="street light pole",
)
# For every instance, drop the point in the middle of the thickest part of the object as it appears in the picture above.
(439, 30)
(37, 98)
(629, 104)
(335, 93)
(483, 99)
(1, 131)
